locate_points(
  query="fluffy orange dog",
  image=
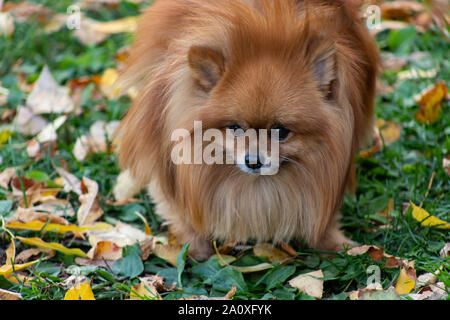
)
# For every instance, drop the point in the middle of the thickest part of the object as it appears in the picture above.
(306, 69)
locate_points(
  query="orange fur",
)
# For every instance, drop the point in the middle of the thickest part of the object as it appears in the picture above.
(271, 52)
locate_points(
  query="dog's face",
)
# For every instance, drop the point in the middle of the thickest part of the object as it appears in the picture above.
(285, 107)
(306, 79)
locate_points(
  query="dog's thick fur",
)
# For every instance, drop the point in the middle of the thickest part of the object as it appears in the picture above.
(309, 65)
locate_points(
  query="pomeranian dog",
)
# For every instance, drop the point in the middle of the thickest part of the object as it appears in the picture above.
(304, 71)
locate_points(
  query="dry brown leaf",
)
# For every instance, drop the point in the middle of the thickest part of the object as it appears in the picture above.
(445, 251)
(369, 291)
(27, 254)
(57, 207)
(9, 295)
(36, 150)
(446, 164)
(96, 140)
(87, 35)
(48, 134)
(48, 97)
(27, 215)
(268, 251)
(150, 287)
(309, 283)
(400, 10)
(6, 177)
(25, 11)
(71, 182)
(89, 210)
(28, 123)
(228, 296)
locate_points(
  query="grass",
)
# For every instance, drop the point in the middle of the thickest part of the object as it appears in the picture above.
(401, 171)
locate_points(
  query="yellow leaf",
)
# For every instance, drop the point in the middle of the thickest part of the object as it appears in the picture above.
(81, 291)
(265, 250)
(52, 245)
(4, 136)
(11, 252)
(8, 269)
(255, 268)
(57, 228)
(427, 219)
(167, 252)
(430, 103)
(390, 131)
(107, 81)
(405, 284)
(128, 24)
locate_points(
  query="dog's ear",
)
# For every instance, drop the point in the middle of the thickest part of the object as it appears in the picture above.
(207, 66)
(325, 70)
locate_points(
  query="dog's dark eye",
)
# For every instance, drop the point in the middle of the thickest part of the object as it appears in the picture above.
(234, 127)
(283, 132)
(237, 130)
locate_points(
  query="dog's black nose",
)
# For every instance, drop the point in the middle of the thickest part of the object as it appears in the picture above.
(253, 162)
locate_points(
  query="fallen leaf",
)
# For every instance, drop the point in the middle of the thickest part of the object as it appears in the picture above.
(25, 255)
(266, 250)
(167, 252)
(105, 250)
(6, 24)
(5, 294)
(406, 281)
(255, 268)
(427, 219)
(89, 210)
(28, 123)
(8, 269)
(71, 182)
(57, 228)
(48, 97)
(309, 283)
(400, 10)
(6, 177)
(87, 35)
(49, 134)
(25, 11)
(377, 145)
(429, 101)
(389, 130)
(96, 141)
(128, 24)
(4, 136)
(148, 287)
(445, 251)
(11, 253)
(374, 293)
(446, 164)
(107, 81)
(52, 246)
(82, 291)
(25, 215)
